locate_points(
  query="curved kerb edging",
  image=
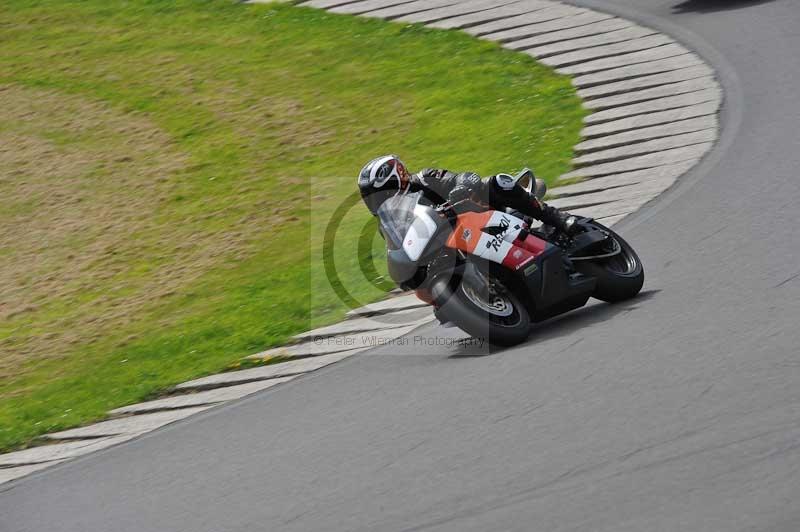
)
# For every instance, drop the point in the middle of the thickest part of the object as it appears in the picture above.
(654, 102)
(655, 109)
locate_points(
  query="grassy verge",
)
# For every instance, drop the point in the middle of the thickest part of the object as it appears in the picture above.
(166, 167)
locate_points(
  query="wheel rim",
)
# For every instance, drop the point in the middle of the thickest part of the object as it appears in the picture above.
(495, 304)
(624, 262)
(491, 301)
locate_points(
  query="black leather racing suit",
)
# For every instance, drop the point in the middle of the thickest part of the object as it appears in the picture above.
(439, 185)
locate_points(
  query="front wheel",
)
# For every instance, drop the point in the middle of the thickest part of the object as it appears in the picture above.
(487, 310)
(620, 276)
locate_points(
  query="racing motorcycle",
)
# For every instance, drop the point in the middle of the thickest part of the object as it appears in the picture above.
(492, 273)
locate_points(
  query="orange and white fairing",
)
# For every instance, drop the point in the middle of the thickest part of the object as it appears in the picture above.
(495, 236)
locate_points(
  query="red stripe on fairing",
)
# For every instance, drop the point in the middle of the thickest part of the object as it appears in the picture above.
(533, 244)
(517, 257)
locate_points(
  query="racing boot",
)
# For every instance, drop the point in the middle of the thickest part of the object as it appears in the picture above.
(562, 221)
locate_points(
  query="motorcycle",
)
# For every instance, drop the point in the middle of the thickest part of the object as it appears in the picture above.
(491, 273)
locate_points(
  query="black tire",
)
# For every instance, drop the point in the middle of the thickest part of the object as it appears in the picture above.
(618, 278)
(479, 323)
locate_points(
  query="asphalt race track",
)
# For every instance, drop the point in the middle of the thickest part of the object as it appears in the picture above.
(679, 411)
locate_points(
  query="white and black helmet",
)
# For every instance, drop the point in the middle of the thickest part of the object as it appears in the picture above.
(380, 179)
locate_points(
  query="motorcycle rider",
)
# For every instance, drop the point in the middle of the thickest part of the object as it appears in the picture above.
(385, 176)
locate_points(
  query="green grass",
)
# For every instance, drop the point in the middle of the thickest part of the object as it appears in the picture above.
(168, 169)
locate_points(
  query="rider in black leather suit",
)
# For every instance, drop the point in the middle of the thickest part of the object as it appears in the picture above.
(496, 191)
(385, 176)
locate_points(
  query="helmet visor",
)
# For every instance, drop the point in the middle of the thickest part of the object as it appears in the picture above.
(374, 198)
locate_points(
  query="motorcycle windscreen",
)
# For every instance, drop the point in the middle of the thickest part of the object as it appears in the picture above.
(396, 215)
(406, 224)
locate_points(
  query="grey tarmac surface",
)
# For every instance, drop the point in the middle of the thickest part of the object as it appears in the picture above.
(678, 411)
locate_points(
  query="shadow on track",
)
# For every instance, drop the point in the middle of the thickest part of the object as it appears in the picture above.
(711, 6)
(565, 325)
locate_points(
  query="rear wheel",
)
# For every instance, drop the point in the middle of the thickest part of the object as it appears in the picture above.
(619, 276)
(489, 311)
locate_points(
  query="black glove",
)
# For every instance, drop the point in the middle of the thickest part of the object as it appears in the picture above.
(470, 180)
(459, 193)
(468, 185)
